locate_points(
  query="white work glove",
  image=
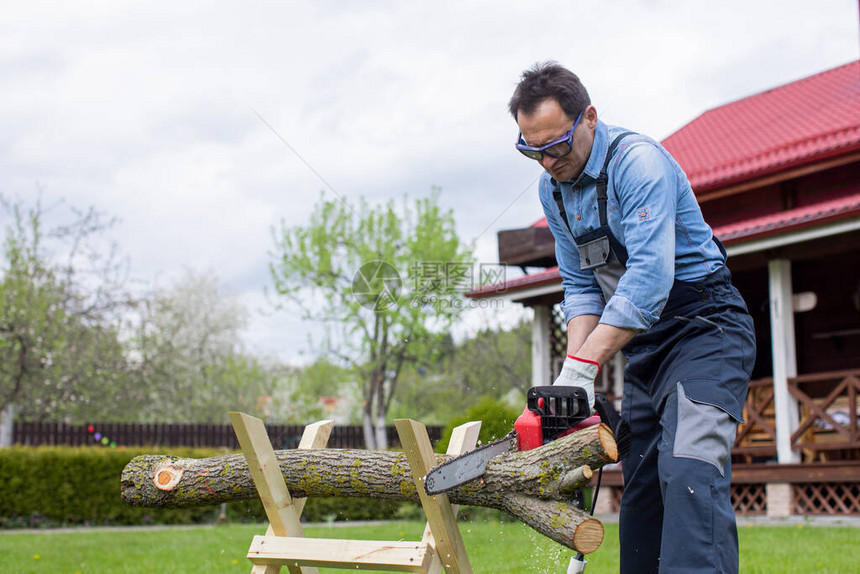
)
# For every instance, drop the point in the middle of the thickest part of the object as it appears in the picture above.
(576, 372)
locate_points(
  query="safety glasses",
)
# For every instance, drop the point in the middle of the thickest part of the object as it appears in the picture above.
(556, 148)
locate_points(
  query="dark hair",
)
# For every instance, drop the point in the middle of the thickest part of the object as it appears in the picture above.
(549, 80)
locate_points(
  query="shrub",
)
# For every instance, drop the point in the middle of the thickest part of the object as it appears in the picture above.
(56, 486)
(48, 486)
(497, 419)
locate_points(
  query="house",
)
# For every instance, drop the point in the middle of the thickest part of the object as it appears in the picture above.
(777, 176)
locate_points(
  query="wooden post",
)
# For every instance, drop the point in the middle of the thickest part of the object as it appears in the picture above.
(618, 364)
(541, 353)
(784, 357)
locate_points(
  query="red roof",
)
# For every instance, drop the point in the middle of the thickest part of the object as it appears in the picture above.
(798, 123)
(789, 220)
(548, 276)
(771, 131)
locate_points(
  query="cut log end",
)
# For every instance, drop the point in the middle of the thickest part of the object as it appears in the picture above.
(575, 479)
(167, 477)
(607, 441)
(588, 536)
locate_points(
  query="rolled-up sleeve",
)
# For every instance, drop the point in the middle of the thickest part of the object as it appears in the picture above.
(646, 187)
(582, 294)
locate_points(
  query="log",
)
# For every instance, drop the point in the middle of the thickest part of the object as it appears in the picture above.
(534, 486)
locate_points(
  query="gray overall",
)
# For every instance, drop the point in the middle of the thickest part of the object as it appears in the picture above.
(684, 388)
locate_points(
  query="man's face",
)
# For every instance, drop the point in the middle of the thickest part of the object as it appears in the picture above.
(547, 123)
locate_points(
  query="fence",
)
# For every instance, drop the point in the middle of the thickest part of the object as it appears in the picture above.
(175, 435)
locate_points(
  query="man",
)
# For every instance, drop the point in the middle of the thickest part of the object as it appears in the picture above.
(643, 273)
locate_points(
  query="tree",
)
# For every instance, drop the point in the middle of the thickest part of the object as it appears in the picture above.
(322, 378)
(347, 268)
(75, 345)
(189, 356)
(60, 303)
(493, 363)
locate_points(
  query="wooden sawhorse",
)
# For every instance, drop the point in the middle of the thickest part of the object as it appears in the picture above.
(284, 543)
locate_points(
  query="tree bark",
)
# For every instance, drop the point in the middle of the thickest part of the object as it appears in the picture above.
(534, 486)
(7, 425)
(367, 426)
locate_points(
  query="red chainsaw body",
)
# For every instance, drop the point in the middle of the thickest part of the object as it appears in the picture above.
(530, 430)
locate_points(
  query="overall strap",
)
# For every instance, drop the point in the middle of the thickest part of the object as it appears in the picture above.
(721, 247)
(556, 195)
(603, 178)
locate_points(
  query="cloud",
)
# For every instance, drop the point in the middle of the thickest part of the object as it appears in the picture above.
(149, 110)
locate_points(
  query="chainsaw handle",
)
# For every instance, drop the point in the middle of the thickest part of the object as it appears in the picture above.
(620, 427)
(549, 413)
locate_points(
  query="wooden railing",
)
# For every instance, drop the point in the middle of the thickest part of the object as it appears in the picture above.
(828, 426)
(828, 415)
(756, 438)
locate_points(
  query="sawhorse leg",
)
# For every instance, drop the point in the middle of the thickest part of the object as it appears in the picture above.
(463, 439)
(282, 510)
(441, 518)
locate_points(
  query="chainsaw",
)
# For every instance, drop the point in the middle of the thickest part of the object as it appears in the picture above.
(550, 413)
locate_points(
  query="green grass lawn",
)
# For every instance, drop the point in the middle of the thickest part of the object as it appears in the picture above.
(494, 548)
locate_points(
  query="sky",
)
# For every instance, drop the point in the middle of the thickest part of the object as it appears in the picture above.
(173, 116)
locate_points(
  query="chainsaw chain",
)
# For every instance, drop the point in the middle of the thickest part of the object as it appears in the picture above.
(511, 437)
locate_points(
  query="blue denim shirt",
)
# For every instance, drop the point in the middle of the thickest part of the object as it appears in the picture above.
(651, 210)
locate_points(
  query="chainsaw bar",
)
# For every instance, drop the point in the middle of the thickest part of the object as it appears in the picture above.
(458, 471)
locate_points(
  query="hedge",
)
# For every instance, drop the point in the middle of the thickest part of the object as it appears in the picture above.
(497, 418)
(64, 486)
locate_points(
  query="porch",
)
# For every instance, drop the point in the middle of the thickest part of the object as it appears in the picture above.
(827, 479)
